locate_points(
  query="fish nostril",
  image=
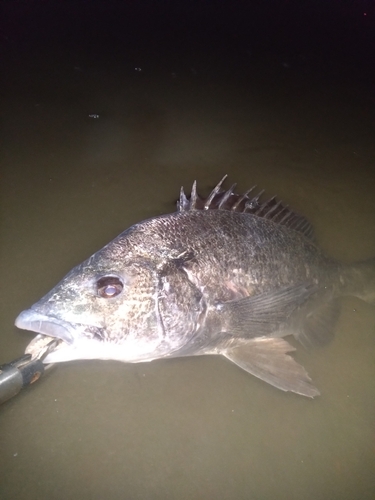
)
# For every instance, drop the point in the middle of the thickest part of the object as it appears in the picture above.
(109, 286)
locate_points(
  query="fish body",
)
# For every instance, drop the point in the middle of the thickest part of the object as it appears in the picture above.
(223, 275)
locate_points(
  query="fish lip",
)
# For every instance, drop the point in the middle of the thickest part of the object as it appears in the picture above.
(46, 325)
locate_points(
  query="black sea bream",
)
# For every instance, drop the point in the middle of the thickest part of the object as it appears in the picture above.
(227, 275)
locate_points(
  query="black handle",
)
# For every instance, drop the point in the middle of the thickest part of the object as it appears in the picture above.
(18, 374)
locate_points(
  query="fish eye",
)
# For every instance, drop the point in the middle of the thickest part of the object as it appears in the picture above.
(109, 286)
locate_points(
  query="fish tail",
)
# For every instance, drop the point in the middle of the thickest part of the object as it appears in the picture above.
(359, 280)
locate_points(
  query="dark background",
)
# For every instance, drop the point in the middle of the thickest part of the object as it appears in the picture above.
(327, 32)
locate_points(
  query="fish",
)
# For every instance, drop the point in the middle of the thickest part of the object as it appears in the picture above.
(228, 274)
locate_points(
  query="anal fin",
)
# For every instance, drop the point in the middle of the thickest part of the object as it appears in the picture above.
(267, 359)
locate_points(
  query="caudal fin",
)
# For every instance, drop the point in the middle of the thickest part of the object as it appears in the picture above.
(359, 280)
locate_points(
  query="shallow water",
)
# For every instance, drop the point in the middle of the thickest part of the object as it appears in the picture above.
(197, 427)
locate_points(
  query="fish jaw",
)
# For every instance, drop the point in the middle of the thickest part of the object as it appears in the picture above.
(46, 325)
(78, 341)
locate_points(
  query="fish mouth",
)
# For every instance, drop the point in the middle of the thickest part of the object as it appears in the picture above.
(69, 336)
(46, 325)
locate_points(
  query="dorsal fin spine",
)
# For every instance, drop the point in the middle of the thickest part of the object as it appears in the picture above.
(271, 209)
(226, 196)
(183, 204)
(193, 196)
(241, 199)
(214, 192)
(282, 210)
(285, 218)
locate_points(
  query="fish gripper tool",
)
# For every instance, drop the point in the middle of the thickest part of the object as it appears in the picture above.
(20, 373)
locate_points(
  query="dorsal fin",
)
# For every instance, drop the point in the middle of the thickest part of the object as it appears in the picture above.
(221, 199)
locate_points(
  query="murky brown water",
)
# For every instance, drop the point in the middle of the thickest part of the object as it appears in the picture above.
(197, 428)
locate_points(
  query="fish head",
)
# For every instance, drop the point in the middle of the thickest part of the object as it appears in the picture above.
(128, 308)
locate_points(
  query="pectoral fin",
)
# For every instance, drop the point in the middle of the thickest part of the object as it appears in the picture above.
(267, 359)
(263, 314)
